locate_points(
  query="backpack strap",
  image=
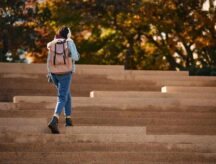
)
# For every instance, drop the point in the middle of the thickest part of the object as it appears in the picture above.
(55, 52)
(54, 58)
(64, 56)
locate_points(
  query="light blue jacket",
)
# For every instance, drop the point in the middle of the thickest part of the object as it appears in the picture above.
(74, 53)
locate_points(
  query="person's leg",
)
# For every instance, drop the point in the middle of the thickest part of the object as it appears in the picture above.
(62, 83)
(63, 92)
(68, 102)
(53, 124)
(68, 121)
(68, 108)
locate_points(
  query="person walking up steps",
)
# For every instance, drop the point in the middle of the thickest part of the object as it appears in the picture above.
(61, 65)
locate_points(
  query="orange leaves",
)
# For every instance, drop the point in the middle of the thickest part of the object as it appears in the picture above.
(202, 41)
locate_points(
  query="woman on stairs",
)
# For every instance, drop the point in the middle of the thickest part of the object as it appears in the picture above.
(61, 65)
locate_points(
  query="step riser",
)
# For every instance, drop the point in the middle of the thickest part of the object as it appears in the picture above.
(157, 120)
(22, 121)
(42, 68)
(76, 86)
(106, 130)
(187, 83)
(102, 138)
(31, 125)
(81, 68)
(154, 119)
(150, 131)
(161, 78)
(24, 129)
(112, 147)
(147, 118)
(169, 114)
(133, 94)
(179, 89)
(120, 102)
(101, 81)
(152, 108)
(108, 157)
(7, 95)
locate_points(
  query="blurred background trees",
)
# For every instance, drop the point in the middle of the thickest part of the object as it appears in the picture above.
(163, 34)
(24, 31)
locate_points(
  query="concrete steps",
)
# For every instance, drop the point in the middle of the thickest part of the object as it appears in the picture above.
(111, 133)
(178, 89)
(120, 102)
(32, 129)
(84, 87)
(119, 77)
(131, 73)
(147, 108)
(8, 94)
(160, 77)
(42, 68)
(139, 114)
(104, 157)
(81, 88)
(84, 69)
(107, 147)
(146, 94)
(187, 83)
(106, 130)
(76, 79)
(186, 110)
(33, 125)
(44, 138)
(88, 78)
(29, 80)
(131, 121)
(119, 123)
(126, 114)
(156, 122)
(22, 121)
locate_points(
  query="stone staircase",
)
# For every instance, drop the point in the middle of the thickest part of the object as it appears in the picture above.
(119, 116)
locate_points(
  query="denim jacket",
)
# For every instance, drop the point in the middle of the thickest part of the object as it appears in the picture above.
(74, 53)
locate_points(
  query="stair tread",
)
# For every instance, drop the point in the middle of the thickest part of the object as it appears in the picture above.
(109, 156)
(106, 138)
(109, 147)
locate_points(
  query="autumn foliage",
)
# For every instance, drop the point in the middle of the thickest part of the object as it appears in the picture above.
(141, 34)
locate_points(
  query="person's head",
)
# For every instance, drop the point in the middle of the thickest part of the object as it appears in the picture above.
(64, 32)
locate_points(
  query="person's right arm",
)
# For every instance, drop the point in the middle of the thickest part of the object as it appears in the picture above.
(74, 53)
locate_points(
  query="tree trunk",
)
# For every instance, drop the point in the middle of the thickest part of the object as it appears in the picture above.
(5, 47)
(128, 59)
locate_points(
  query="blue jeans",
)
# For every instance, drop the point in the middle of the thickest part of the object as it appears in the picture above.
(63, 83)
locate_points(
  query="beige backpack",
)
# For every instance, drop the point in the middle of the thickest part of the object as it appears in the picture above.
(59, 60)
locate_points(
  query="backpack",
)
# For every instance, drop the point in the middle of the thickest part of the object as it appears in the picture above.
(59, 60)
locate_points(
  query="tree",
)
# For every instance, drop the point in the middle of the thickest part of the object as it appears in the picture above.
(160, 34)
(183, 33)
(23, 29)
(164, 34)
(108, 32)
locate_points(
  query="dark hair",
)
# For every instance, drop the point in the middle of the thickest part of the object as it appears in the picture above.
(63, 32)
